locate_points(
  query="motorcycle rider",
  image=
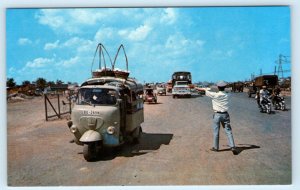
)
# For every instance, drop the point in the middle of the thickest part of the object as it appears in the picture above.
(277, 99)
(263, 93)
(275, 94)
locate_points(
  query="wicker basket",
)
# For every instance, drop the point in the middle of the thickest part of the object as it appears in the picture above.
(121, 74)
(103, 73)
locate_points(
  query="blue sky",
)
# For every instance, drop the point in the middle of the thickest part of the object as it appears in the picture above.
(214, 43)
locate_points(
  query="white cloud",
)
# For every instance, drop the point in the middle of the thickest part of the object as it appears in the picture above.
(104, 34)
(49, 46)
(137, 34)
(39, 62)
(72, 20)
(80, 44)
(68, 63)
(12, 70)
(24, 41)
(44, 63)
(51, 17)
(168, 16)
(179, 41)
(87, 16)
(283, 40)
(221, 54)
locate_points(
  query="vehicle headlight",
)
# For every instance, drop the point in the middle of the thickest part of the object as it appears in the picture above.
(73, 129)
(111, 130)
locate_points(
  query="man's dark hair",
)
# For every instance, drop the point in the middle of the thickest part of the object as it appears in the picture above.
(221, 88)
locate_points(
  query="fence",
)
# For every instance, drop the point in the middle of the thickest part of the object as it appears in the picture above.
(57, 109)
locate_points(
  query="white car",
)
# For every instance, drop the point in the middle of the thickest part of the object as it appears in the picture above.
(181, 89)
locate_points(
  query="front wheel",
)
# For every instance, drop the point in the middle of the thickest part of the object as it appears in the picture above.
(90, 151)
(269, 109)
(282, 106)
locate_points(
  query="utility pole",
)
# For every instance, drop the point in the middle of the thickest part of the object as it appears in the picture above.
(280, 66)
(260, 72)
(282, 59)
(252, 76)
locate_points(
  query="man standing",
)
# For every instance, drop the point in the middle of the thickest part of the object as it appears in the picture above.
(221, 115)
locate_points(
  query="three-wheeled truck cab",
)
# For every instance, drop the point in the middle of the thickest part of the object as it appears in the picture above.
(108, 112)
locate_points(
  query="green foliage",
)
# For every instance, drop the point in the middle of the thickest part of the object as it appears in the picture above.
(41, 83)
(25, 83)
(10, 82)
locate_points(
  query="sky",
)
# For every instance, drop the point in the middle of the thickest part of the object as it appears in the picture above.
(213, 43)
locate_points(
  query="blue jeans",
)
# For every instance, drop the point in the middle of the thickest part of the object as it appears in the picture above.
(224, 119)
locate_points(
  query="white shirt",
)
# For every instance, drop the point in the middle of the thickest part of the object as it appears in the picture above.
(262, 93)
(220, 100)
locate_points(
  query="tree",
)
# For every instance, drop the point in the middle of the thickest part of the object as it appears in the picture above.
(10, 82)
(59, 82)
(25, 83)
(41, 83)
(50, 83)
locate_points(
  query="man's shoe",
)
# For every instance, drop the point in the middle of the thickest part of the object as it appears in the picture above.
(214, 149)
(234, 150)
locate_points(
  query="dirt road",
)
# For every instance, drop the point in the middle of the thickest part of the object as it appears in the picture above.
(174, 149)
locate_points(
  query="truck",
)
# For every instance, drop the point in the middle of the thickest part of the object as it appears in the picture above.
(270, 81)
(181, 76)
(181, 89)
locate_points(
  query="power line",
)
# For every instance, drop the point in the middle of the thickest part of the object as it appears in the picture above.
(281, 60)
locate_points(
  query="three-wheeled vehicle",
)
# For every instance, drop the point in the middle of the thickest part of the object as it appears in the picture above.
(150, 95)
(108, 112)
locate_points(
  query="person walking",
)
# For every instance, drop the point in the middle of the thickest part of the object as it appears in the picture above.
(220, 104)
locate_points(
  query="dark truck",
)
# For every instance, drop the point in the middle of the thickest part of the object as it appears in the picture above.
(181, 76)
(270, 81)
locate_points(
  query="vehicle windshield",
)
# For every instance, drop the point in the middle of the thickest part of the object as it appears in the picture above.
(182, 83)
(97, 96)
(149, 91)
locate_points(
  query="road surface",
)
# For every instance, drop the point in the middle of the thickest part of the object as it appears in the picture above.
(174, 148)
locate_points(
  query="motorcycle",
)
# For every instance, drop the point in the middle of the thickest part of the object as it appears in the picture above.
(265, 105)
(279, 103)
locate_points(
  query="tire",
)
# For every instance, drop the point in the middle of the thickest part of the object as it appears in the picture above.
(89, 152)
(282, 106)
(269, 110)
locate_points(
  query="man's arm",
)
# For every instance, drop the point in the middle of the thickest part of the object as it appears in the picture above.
(207, 91)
